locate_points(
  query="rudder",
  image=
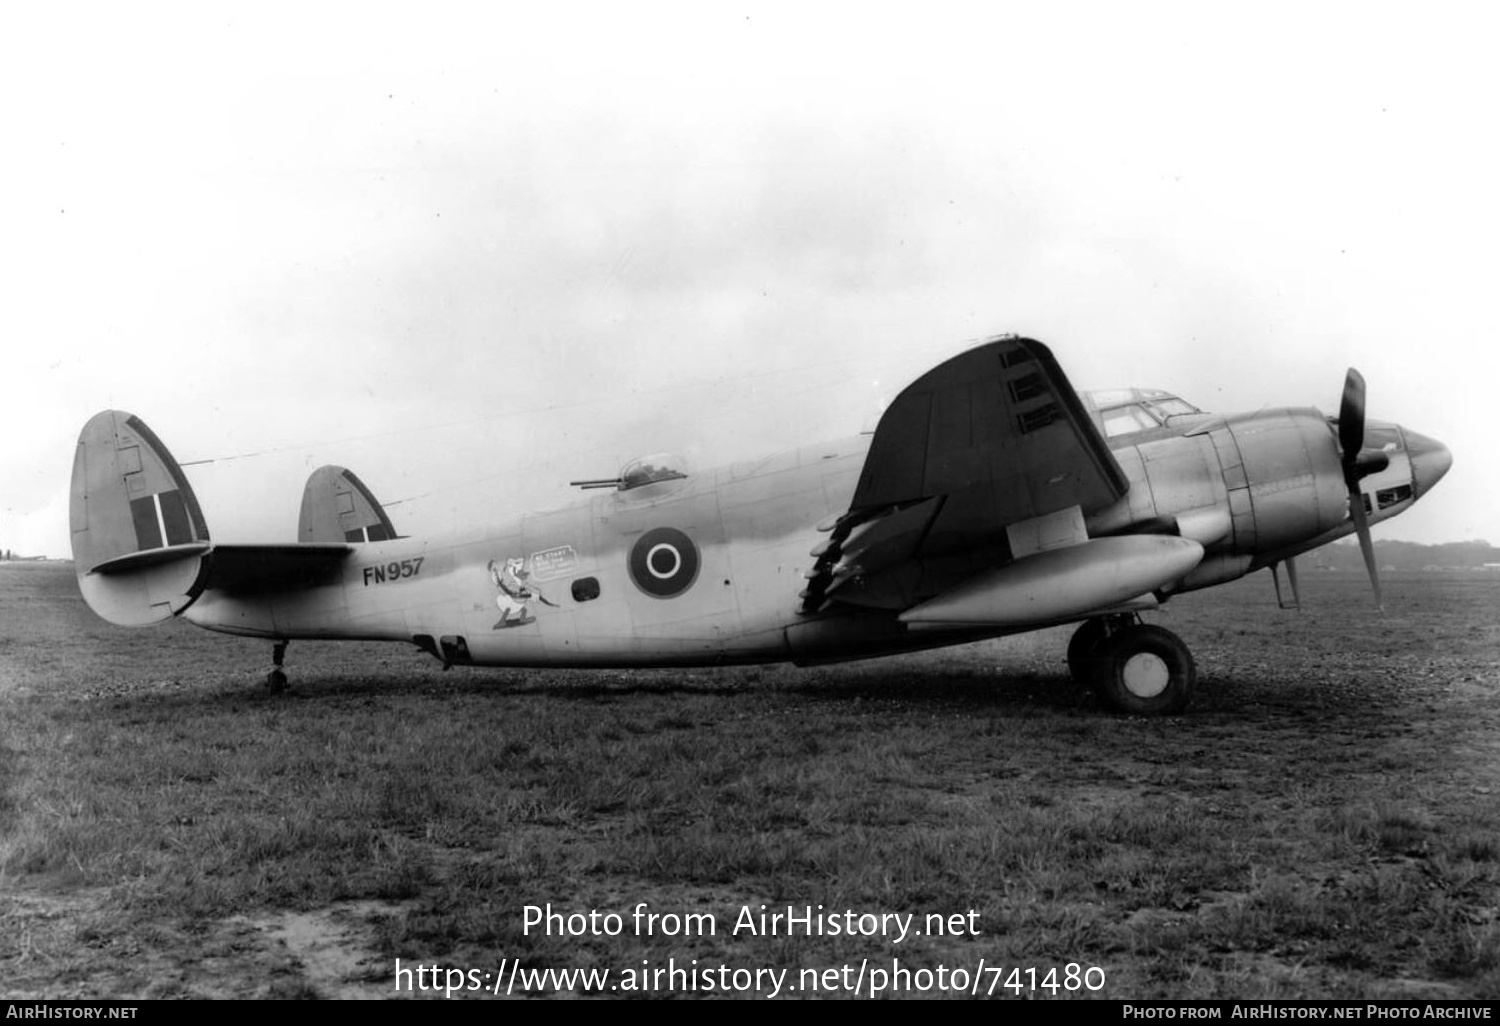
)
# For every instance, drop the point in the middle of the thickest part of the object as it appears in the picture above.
(138, 533)
(337, 507)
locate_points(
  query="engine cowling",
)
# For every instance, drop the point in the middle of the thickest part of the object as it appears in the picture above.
(1283, 477)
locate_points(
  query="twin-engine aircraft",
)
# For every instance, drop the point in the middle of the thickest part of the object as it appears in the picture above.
(991, 499)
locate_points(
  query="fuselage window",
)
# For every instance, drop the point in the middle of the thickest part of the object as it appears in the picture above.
(585, 589)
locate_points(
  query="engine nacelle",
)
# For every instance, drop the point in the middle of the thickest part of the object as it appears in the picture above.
(1244, 487)
(1283, 477)
(1061, 584)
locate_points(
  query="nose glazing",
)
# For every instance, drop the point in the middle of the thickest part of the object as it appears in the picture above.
(1430, 460)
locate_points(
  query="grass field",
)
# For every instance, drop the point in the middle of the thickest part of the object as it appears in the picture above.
(1325, 821)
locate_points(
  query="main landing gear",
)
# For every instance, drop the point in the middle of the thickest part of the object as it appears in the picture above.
(276, 679)
(1133, 667)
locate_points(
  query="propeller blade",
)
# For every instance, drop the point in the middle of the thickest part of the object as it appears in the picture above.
(1291, 576)
(1366, 546)
(1352, 417)
(1351, 441)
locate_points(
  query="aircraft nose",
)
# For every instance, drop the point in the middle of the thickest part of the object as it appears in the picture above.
(1430, 460)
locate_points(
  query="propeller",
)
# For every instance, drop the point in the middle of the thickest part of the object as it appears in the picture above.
(1358, 465)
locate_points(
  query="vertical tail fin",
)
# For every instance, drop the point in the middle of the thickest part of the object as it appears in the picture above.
(337, 507)
(139, 536)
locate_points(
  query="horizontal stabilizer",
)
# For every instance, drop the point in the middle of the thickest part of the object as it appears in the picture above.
(150, 557)
(260, 568)
(337, 507)
(138, 534)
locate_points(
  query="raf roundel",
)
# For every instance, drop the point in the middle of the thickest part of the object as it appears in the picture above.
(664, 562)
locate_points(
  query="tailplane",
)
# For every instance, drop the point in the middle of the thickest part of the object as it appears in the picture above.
(139, 536)
(337, 507)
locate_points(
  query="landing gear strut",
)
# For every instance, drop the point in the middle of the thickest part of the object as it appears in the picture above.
(1088, 640)
(1133, 667)
(276, 679)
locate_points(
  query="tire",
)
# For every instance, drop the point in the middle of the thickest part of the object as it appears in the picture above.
(1084, 647)
(1145, 670)
(275, 682)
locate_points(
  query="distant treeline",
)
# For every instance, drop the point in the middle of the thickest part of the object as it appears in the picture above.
(8, 555)
(1466, 555)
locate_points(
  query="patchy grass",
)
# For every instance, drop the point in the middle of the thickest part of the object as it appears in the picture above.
(1322, 823)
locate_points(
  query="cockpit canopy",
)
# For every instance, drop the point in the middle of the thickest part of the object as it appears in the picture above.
(1123, 411)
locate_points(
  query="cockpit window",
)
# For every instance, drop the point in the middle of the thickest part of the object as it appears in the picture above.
(1124, 411)
(1123, 420)
(1172, 407)
(1110, 397)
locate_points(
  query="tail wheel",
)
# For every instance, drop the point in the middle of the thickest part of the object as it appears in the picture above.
(1145, 670)
(276, 679)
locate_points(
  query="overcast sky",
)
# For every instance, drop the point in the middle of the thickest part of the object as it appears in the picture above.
(472, 251)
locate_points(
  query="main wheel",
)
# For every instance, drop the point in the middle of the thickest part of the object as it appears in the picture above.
(275, 682)
(1084, 646)
(1145, 670)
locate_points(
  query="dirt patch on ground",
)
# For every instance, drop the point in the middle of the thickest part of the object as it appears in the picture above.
(68, 946)
(334, 948)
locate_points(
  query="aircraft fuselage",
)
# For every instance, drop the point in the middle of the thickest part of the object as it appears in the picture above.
(707, 569)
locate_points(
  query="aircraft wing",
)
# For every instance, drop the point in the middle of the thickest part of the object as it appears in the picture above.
(981, 460)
